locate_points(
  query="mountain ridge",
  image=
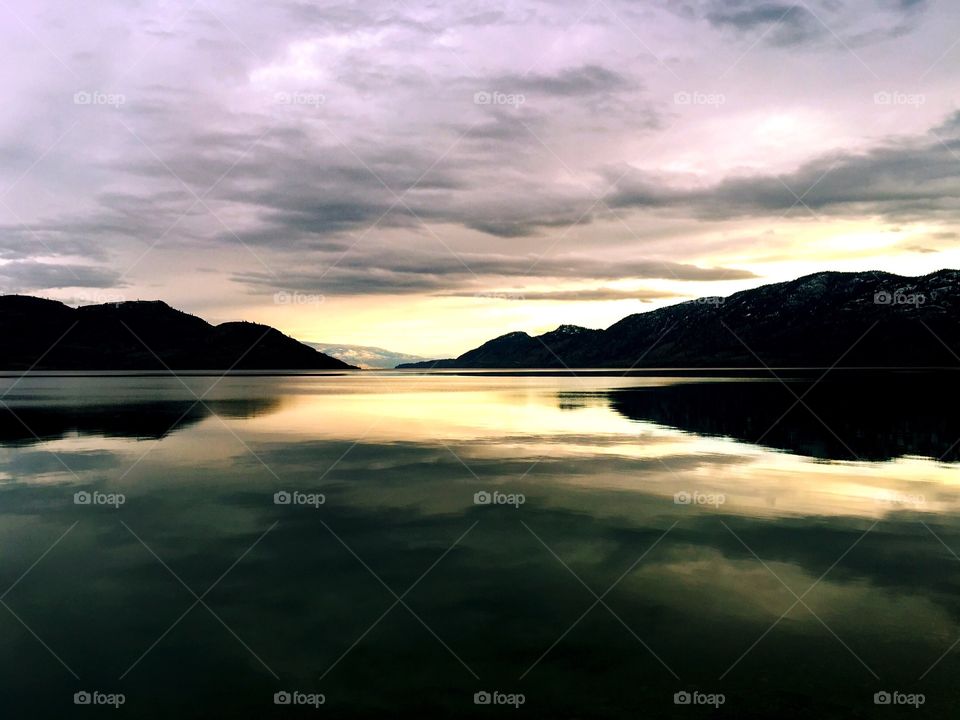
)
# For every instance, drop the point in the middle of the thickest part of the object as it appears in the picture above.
(845, 318)
(41, 334)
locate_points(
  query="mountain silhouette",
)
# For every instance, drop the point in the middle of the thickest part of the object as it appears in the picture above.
(44, 334)
(864, 319)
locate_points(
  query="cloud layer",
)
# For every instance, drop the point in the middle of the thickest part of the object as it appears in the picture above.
(445, 150)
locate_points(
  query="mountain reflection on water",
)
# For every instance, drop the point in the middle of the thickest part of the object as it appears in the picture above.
(696, 596)
(844, 417)
(144, 420)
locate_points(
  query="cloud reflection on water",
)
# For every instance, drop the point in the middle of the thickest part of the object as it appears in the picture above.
(600, 491)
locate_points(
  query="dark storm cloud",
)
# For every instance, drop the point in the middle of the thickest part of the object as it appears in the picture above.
(143, 218)
(904, 179)
(790, 24)
(381, 271)
(585, 80)
(399, 152)
(327, 202)
(785, 24)
(587, 294)
(906, 7)
(322, 196)
(21, 275)
(305, 190)
(20, 242)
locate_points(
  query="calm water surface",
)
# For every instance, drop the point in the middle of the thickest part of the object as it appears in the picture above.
(699, 535)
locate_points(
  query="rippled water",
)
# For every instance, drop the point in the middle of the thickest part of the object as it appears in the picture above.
(647, 536)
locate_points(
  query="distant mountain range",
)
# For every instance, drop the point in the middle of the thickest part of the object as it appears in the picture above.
(864, 319)
(365, 356)
(48, 335)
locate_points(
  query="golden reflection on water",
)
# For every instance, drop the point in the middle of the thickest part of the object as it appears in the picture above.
(486, 419)
(601, 487)
(531, 420)
(489, 418)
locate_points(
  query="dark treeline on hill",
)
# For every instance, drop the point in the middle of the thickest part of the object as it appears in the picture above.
(48, 335)
(865, 319)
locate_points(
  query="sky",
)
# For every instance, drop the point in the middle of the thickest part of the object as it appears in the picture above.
(424, 176)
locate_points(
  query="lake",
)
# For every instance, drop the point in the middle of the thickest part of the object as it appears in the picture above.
(402, 544)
